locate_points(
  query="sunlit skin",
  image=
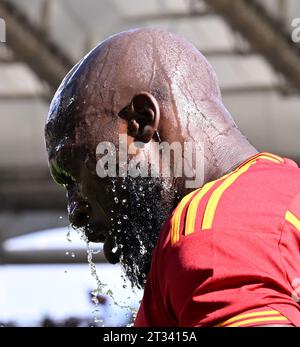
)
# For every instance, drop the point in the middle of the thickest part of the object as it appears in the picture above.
(175, 92)
(84, 112)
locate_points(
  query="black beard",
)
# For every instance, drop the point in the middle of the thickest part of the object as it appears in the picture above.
(139, 215)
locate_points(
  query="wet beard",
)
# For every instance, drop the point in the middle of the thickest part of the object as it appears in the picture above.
(138, 222)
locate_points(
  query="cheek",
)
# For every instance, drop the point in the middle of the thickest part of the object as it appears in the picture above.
(97, 191)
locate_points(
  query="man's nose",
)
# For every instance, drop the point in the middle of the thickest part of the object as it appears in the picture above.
(79, 213)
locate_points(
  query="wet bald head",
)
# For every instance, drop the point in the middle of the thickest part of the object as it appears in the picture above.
(152, 86)
(159, 62)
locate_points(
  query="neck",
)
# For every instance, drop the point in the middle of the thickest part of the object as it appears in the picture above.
(225, 155)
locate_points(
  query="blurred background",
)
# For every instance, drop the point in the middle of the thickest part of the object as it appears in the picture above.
(45, 278)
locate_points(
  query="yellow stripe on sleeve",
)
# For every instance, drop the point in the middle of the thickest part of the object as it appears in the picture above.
(192, 210)
(291, 218)
(259, 320)
(249, 315)
(216, 196)
(175, 222)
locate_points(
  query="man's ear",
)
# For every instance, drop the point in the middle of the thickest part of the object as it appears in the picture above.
(142, 115)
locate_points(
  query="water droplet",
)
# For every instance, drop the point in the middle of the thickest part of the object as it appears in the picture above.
(109, 292)
(124, 201)
(60, 217)
(140, 188)
(125, 216)
(119, 222)
(73, 255)
(68, 235)
(116, 200)
(114, 250)
(143, 249)
(95, 300)
(67, 253)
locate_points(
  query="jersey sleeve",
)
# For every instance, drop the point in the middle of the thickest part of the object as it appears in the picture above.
(188, 269)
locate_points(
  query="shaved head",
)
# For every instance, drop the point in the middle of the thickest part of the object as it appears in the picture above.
(149, 85)
(162, 63)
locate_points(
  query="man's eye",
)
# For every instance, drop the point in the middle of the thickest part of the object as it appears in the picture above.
(64, 180)
(68, 185)
(62, 177)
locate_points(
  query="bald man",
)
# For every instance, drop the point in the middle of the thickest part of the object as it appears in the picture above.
(224, 254)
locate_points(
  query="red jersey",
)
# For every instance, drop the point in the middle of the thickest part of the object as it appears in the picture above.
(230, 253)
